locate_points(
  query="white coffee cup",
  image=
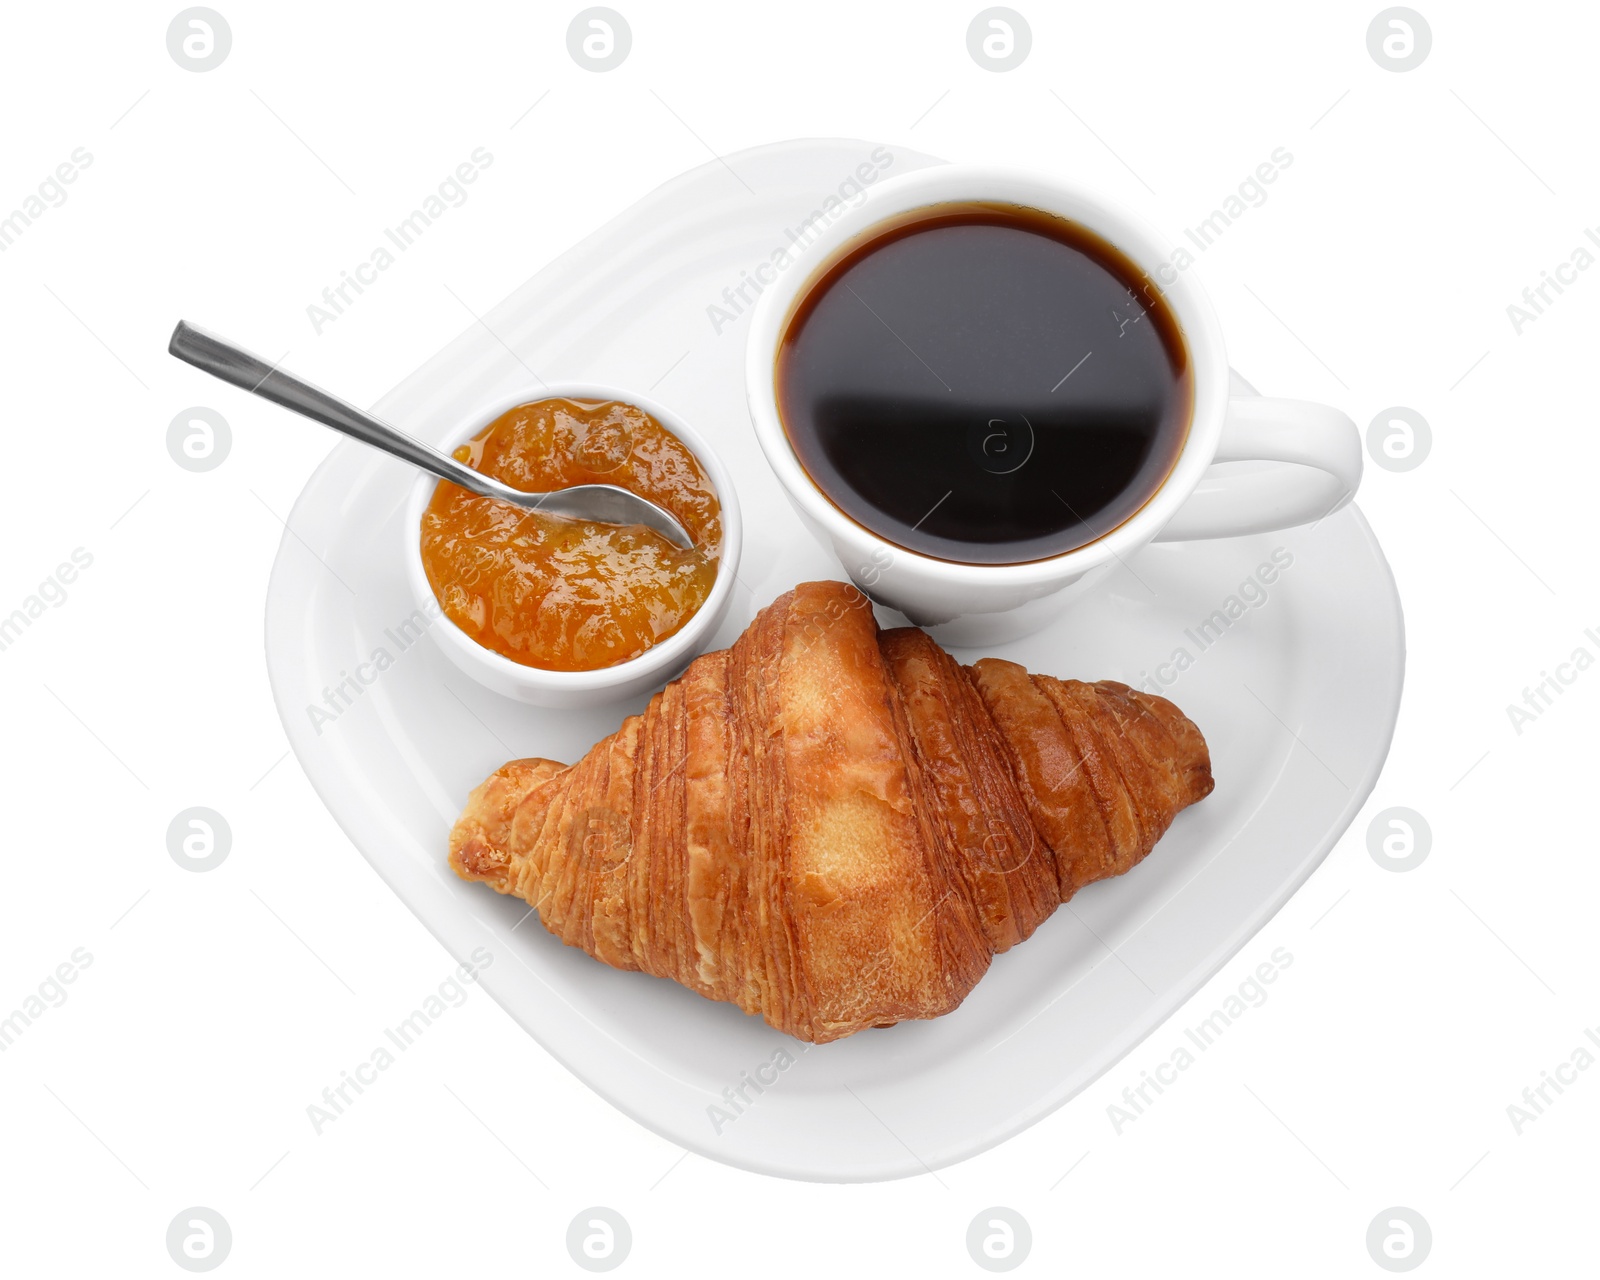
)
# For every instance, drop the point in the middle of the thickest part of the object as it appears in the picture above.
(1314, 451)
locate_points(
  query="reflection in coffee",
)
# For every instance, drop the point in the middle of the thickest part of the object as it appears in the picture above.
(985, 383)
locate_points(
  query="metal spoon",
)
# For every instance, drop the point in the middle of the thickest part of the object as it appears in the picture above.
(606, 503)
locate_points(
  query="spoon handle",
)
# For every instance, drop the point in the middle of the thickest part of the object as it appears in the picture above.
(235, 365)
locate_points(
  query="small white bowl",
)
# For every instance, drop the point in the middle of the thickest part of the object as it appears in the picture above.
(573, 689)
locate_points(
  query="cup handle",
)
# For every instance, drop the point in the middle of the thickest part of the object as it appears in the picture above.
(1312, 466)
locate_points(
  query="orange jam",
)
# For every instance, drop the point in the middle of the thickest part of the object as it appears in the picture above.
(562, 594)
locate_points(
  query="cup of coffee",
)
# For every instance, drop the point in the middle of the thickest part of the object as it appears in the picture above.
(984, 388)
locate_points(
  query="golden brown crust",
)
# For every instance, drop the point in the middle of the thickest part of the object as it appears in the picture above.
(1007, 871)
(831, 826)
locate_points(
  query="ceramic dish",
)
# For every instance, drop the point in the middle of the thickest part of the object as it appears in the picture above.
(568, 689)
(1297, 696)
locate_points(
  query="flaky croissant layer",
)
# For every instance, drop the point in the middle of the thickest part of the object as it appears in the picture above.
(834, 826)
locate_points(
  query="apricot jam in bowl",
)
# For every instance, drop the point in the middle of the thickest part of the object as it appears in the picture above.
(573, 613)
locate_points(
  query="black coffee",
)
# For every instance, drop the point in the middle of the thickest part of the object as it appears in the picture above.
(985, 383)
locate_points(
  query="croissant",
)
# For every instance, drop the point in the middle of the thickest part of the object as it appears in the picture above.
(833, 826)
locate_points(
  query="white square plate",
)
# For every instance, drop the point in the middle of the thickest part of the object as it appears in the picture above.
(1296, 689)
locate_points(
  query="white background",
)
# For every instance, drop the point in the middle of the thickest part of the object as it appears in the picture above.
(217, 1006)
